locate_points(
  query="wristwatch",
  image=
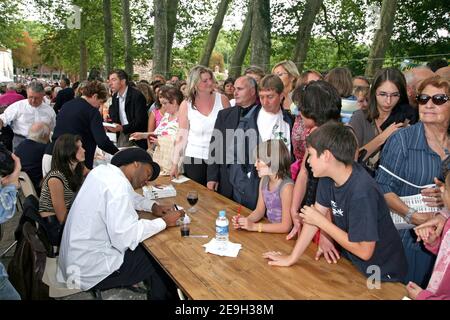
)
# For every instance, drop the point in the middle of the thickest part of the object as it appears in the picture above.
(409, 215)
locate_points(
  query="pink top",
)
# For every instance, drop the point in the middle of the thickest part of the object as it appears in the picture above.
(439, 285)
(9, 98)
(158, 117)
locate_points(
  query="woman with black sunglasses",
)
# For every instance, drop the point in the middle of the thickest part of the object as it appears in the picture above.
(411, 160)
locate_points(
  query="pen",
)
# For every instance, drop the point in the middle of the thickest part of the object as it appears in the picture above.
(176, 207)
(198, 236)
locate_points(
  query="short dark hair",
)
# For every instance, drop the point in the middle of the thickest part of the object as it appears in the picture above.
(319, 101)
(271, 82)
(66, 81)
(436, 64)
(96, 87)
(336, 138)
(227, 81)
(121, 74)
(276, 156)
(171, 93)
(255, 70)
(7, 162)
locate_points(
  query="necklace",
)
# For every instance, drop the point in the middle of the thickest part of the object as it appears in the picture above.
(442, 145)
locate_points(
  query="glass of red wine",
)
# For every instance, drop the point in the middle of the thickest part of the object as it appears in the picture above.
(192, 198)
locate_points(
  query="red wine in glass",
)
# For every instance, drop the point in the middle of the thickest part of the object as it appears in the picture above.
(192, 198)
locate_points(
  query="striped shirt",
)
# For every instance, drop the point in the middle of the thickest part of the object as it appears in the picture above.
(408, 155)
(45, 201)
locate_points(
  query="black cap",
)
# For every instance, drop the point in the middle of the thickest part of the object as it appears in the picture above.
(130, 155)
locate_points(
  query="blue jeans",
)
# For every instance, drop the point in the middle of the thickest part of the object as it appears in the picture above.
(420, 260)
(7, 291)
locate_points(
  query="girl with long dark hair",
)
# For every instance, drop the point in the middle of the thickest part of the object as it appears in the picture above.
(61, 184)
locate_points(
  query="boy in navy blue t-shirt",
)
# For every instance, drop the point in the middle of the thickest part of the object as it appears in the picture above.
(361, 223)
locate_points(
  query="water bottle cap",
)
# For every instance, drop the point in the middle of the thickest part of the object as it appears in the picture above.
(222, 213)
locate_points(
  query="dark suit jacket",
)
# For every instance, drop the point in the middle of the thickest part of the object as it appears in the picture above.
(229, 119)
(79, 117)
(63, 96)
(30, 153)
(137, 113)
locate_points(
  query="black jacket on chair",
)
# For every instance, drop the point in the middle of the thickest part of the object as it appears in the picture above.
(137, 113)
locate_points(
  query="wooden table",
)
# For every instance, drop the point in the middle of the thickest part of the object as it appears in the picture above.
(203, 275)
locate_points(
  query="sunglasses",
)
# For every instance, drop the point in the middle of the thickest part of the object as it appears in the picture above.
(438, 99)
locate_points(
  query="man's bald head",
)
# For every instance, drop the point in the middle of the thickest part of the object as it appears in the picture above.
(245, 91)
(413, 78)
(444, 72)
(39, 132)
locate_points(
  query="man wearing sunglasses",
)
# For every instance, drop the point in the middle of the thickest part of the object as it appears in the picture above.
(419, 155)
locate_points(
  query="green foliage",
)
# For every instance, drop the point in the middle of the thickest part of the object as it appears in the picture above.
(10, 25)
(421, 28)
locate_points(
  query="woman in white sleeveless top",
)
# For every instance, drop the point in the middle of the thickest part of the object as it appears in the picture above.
(197, 116)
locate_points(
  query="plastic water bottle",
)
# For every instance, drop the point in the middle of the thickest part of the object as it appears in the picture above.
(222, 230)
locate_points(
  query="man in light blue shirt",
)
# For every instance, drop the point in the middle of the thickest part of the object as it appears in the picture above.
(9, 172)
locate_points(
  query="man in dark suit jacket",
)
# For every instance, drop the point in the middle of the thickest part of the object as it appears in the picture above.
(31, 150)
(64, 95)
(128, 110)
(230, 167)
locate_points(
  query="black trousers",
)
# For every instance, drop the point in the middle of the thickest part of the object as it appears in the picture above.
(195, 169)
(137, 266)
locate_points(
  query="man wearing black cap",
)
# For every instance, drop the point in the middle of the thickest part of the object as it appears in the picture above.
(100, 244)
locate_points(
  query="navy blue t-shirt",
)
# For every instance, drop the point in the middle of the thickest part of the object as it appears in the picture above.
(359, 208)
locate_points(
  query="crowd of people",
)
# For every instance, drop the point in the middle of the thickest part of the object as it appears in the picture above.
(323, 157)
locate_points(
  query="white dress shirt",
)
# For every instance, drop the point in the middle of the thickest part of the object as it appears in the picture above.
(21, 115)
(122, 114)
(101, 225)
(273, 126)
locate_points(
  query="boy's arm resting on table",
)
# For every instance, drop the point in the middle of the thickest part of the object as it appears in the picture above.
(313, 216)
(303, 241)
(297, 198)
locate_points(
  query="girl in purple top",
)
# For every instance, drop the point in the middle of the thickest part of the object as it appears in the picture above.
(275, 190)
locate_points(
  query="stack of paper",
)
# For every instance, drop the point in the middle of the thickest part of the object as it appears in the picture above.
(180, 179)
(159, 191)
(231, 249)
(416, 202)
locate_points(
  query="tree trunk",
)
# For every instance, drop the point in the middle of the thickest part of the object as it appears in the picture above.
(382, 37)
(214, 32)
(172, 7)
(107, 19)
(160, 38)
(83, 49)
(126, 23)
(260, 37)
(312, 8)
(242, 45)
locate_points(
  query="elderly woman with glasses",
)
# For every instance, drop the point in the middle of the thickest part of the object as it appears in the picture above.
(411, 160)
(387, 112)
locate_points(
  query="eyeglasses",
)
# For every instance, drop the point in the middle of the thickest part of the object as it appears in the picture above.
(438, 99)
(388, 95)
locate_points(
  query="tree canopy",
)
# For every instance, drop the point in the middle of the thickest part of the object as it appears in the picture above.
(341, 35)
